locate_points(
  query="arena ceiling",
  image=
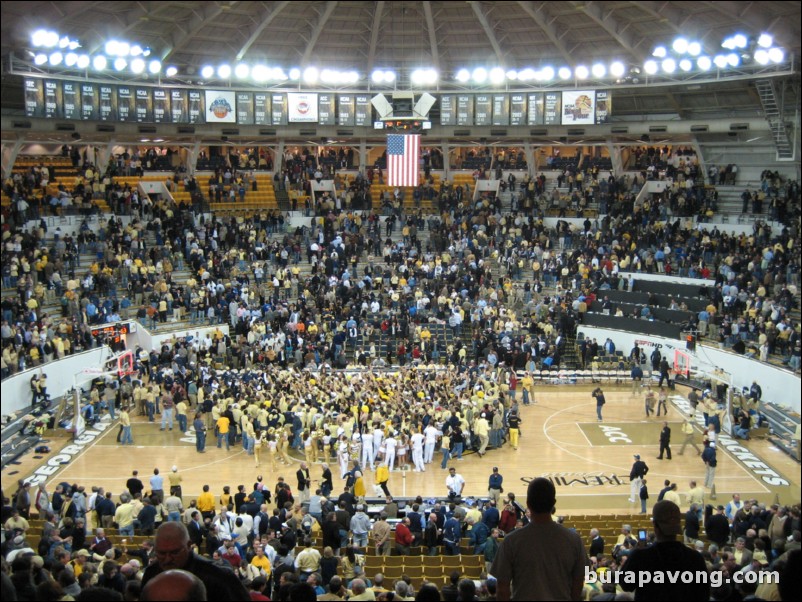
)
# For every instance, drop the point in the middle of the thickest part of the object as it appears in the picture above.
(405, 35)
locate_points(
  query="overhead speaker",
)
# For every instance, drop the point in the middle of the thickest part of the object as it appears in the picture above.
(424, 105)
(230, 131)
(65, 127)
(105, 127)
(383, 108)
(186, 129)
(698, 129)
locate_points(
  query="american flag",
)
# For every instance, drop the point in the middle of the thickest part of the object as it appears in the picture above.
(403, 152)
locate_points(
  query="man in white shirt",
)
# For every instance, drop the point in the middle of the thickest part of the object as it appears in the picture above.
(430, 433)
(378, 437)
(416, 440)
(455, 483)
(390, 444)
(368, 451)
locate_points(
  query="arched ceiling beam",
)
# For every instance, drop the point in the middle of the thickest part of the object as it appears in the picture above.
(551, 30)
(203, 16)
(321, 23)
(427, 11)
(668, 14)
(595, 11)
(378, 10)
(477, 9)
(257, 31)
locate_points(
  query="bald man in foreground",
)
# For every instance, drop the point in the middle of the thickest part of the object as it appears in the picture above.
(173, 550)
(174, 585)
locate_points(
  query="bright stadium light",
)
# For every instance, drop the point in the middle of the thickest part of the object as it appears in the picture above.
(242, 71)
(776, 55)
(617, 69)
(720, 61)
(171, 71)
(154, 66)
(512, 75)
(56, 58)
(659, 52)
(83, 61)
(527, 74)
(463, 76)
(547, 73)
(224, 71)
(41, 58)
(496, 75)
(479, 75)
(564, 73)
(765, 40)
(311, 75)
(598, 70)
(650, 67)
(137, 65)
(686, 65)
(704, 63)
(680, 45)
(260, 73)
(207, 72)
(120, 63)
(669, 65)
(99, 63)
(694, 49)
(70, 59)
(581, 72)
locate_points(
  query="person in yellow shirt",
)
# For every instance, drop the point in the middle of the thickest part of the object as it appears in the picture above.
(223, 424)
(261, 562)
(205, 503)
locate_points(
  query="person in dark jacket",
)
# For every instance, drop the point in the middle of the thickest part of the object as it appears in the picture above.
(718, 527)
(692, 524)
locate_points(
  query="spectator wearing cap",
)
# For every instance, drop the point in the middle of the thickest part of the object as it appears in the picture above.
(494, 486)
(78, 563)
(636, 475)
(481, 428)
(667, 554)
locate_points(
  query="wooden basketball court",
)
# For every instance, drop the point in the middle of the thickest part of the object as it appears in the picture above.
(589, 461)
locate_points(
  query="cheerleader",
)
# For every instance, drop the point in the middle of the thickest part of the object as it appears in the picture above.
(272, 448)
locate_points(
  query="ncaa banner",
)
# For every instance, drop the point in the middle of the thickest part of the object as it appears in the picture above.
(221, 106)
(302, 107)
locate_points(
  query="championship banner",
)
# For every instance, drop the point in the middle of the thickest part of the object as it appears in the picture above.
(220, 106)
(302, 107)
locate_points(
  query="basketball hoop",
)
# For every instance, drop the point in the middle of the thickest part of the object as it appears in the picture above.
(119, 365)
